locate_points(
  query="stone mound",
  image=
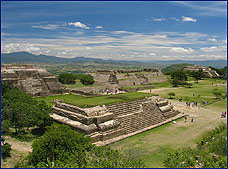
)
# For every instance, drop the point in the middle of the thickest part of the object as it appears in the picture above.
(36, 82)
(107, 124)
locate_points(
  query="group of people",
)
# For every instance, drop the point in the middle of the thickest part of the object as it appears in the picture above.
(223, 114)
(186, 118)
(194, 104)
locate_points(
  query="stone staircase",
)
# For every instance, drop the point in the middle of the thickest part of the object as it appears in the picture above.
(113, 121)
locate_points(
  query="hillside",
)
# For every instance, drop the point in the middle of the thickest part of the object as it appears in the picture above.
(96, 63)
(171, 68)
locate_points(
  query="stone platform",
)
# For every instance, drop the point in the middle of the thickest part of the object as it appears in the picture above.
(110, 123)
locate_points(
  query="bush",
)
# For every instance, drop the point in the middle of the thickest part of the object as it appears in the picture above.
(67, 78)
(62, 147)
(5, 149)
(171, 94)
(5, 124)
(179, 75)
(175, 82)
(87, 80)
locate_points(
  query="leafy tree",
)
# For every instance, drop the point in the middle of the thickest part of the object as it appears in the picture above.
(5, 149)
(171, 94)
(198, 75)
(21, 110)
(189, 85)
(60, 146)
(179, 75)
(5, 125)
(87, 79)
(175, 82)
(67, 78)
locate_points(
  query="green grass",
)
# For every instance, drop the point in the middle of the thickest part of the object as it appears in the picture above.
(201, 91)
(82, 101)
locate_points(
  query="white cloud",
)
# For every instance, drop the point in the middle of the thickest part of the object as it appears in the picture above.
(152, 54)
(214, 48)
(181, 50)
(99, 27)
(158, 19)
(188, 19)
(173, 18)
(212, 40)
(78, 24)
(49, 26)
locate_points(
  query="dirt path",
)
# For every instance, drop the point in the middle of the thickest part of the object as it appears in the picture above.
(18, 145)
(156, 90)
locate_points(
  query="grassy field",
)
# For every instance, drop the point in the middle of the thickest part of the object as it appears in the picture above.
(199, 92)
(151, 146)
(82, 101)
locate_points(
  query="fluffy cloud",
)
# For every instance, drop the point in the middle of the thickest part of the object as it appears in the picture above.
(78, 24)
(188, 19)
(212, 40)
(99, 27)
(49, 26)
(214, 48)
(181, 50)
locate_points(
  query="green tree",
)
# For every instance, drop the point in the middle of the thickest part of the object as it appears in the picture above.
(67, 78)
(5, 125)
(171, 94)
(87, 80)
(198, 75)
(175, 82)
(60, 146)
(5, 149)
(179, 75)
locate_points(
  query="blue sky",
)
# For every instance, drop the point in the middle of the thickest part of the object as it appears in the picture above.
(117, 30)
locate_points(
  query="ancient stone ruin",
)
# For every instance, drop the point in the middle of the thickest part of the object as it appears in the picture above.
(36, 82)
(123, 78)
(110, 123)
(207, 71)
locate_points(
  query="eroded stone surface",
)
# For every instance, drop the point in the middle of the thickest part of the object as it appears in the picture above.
(36, 82)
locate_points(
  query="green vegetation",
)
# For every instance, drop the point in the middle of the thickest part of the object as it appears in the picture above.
(63, 147)
(21, 110)
(82, 101)
(169, 69)
(86, 79)
(5, 149)
(179, 75)
(210, 152)
(67, 78)
(171, 94)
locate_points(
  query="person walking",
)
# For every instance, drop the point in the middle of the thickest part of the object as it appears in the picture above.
(185, 118)
(192, 119)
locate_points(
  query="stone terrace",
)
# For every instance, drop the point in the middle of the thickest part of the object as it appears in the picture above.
(107, 124)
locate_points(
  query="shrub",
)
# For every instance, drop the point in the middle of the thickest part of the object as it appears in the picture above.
(175, 82)
(171, 94)
(67, 78)
(5, 149)
(87, 80)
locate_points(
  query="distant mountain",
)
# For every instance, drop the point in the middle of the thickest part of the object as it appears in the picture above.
(25, 57)
(206, 63)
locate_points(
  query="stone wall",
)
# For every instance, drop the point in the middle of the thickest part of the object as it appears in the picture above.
(36, 82)
(109, 122)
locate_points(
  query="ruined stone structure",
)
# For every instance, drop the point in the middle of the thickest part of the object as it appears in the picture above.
(110, 123)
(123, 78)
(207, 71)
(36, 82)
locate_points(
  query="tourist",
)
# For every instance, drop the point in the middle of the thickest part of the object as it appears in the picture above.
(193, 104)
(185, 118)
(150, 90)
(192, 119)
